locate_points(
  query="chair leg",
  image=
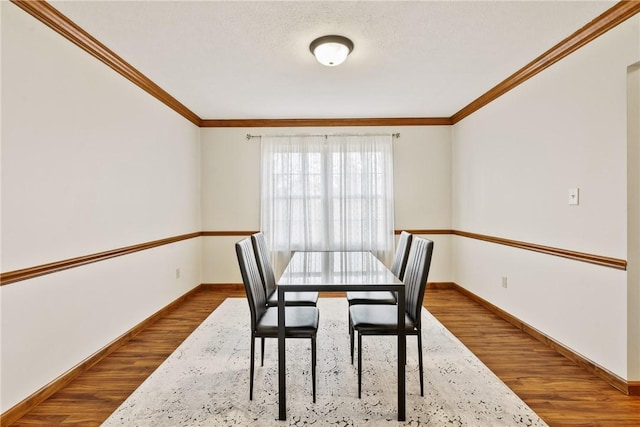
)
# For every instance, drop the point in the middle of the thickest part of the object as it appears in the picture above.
(253, 349)
(420, 363)
(405, 350)
(359, 364)
(262, 341)
(351, 332)
(313, 366)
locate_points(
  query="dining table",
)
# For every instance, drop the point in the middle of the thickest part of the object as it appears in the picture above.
(338, 271)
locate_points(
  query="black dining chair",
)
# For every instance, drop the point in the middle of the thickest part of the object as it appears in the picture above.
(269, 281)
(397, 267)
(301, 322)
(368, 319)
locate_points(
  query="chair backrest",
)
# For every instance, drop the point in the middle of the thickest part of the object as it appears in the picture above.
(415, 277)
(251, 279)
(402, 254)
(264, 263)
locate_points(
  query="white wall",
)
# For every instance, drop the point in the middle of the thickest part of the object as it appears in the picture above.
(513, 163)
(231, 189)
(90, 163)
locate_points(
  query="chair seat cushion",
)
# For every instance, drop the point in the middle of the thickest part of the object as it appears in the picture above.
(371, 297)
(294, 299)
(300, 321)
(378, 319)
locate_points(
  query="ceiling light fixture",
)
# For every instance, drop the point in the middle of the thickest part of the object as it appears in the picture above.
(331, 50)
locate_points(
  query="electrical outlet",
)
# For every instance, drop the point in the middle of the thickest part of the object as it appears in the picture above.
(177, 273)
(574, 196)
(504, 281)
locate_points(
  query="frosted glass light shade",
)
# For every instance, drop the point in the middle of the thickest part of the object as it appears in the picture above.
(331, 50)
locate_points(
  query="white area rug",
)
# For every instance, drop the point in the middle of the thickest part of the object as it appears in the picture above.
(205, 382)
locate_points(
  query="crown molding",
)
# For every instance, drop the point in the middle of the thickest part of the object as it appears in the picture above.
(384, 121)
(51, 17)
(612, 17)
(58, 22)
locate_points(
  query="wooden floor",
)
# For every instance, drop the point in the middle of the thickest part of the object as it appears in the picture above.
(562, 393)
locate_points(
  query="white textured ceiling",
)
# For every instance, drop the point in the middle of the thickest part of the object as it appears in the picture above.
(251, 60)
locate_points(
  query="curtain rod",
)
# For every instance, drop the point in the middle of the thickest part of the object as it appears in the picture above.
(393, 135)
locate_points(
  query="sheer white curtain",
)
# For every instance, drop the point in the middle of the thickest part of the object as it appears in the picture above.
(327, 193)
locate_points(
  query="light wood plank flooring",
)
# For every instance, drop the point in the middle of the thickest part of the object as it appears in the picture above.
(562, 393)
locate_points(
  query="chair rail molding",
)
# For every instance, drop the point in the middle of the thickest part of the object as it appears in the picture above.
(53, 267)
(40, 270)
(604, 261)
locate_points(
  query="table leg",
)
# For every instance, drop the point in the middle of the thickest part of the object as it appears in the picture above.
(282, 369)
(402, 355)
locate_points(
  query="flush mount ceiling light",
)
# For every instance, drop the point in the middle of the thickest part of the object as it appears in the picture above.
(331, 50)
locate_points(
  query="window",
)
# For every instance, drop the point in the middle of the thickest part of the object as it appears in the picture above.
(327, 193)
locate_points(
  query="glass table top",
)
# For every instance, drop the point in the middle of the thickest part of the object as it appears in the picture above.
(336, 268)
